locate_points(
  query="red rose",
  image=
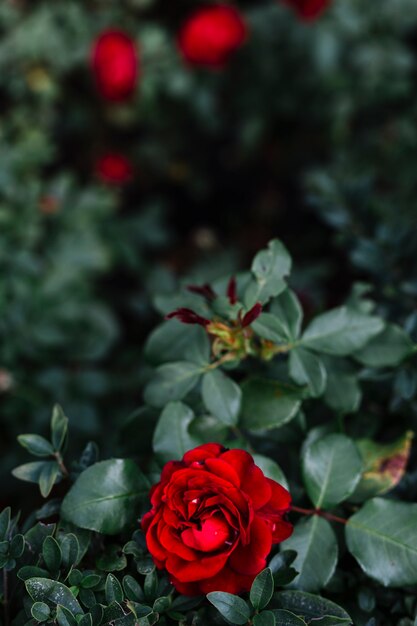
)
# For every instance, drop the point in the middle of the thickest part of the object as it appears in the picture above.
(211, 34)
(309, 9)
(214, 519)
(115, 65)
(114, 168)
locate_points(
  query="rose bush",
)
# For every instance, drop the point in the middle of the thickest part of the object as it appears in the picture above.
(214, 519)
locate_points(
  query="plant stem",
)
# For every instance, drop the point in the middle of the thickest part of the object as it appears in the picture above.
(320, 513)
(6, 598)
(61, 464)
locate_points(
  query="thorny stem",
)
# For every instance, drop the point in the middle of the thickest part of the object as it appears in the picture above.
(320, 513)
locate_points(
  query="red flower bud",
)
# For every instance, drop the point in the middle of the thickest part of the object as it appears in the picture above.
(252, 315)
(187, 316)
(203, 290)
(211, 35)
(231, 291)
(114, 168)
(115, 65)
(309, 10)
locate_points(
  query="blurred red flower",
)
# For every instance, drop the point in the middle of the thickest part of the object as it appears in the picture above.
(114, 168)
(115, 65)
(211, 35)
(309, 9)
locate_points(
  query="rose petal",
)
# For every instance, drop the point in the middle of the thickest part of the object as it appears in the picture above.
(251, 559)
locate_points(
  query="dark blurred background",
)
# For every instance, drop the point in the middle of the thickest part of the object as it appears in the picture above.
(308, 133)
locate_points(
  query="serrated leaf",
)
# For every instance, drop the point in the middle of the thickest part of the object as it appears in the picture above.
(382, 536)
(332, 468)
(341, 332)
(307, 369)
(316, 545)
(171, 381)
(231, 607)
(268, 403)
(171, 437)
(221, 396)
(105, 496)
(46, 590)
(262, 589)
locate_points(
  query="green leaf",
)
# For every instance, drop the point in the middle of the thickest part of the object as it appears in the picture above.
(50, 474)
(90, 580)
(341, 331)
(266, 618)
(51, 553)
(388, 349)
(271, 469)
(343, 393)
(307, 369)
(170, 341)
(268, 268)
(5, 516)
(384, 466)
(70, 549)
(29, 571)
(32, 472)
(231, 607)
(171, 437)
(172, 381)
(288, 310)
(332, 468)
(17, 546)
(111, 559)
(221, 396)
(59, 427)
(382, 537)
(316, 545)
(309, 606)
(40, 611)
(286, 618)
(132, 589)
(269, 327)
(65, 617)
(46, 590)
(262, 589)
(113, 590)
(36, 445)
(268, 403)
(105, 496)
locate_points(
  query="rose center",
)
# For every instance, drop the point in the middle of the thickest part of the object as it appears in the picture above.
(212, 534)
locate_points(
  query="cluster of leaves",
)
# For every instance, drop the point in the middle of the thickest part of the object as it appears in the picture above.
(81, 558)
